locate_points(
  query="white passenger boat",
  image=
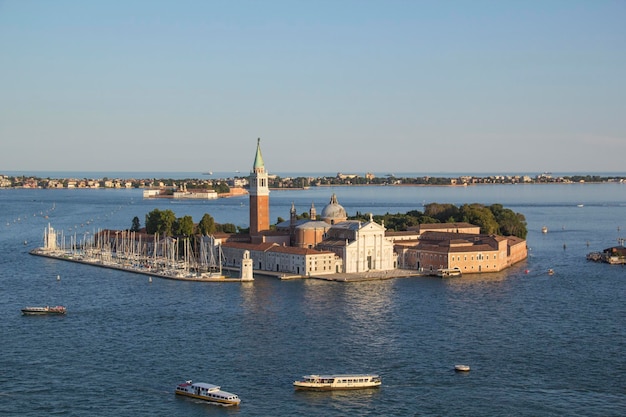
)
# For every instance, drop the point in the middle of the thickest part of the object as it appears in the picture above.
(448, 273)
(207, 392)
(338, 382)
(36, 311)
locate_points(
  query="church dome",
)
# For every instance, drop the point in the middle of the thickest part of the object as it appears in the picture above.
(334, 212)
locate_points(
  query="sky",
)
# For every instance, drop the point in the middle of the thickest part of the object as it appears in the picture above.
(349, 86)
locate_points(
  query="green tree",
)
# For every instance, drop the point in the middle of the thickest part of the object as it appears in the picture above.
(160, 221)
(136, 225)
(481, 216)
(184, 226)
(221, 187)
(228, 228)
(441, 212)
(207, 226)
(511, 223)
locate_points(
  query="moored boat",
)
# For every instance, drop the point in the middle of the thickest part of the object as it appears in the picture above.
(207, 392)
(338, 382)
(33, 311)
(448, 272)
(462, 368)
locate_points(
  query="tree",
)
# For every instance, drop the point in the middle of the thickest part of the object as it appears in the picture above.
(207, 226)
(152, 221)
(162, 222)
(511, 223)
(228, 228)
(184, 226)
(441, 212)
(221, 187)
(136, 225)
(480, 216)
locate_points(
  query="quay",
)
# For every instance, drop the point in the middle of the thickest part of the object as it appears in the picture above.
(347, 277)
(177, 275)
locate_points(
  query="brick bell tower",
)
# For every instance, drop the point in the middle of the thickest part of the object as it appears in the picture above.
(259, 196)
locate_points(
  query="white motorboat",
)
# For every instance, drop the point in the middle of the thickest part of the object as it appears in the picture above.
(448, 272)
(207, 392)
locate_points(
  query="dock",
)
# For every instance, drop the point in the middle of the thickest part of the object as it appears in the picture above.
(126, 267)
(180, 276)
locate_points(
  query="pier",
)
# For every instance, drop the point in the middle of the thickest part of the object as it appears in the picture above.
(175, 275)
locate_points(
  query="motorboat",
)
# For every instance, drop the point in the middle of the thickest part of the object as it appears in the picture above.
(207, 392)
(338, 382)
(34, 311)
(462, 368)
(449, 272)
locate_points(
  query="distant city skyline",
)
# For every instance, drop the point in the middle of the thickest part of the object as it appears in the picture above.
(349, 86)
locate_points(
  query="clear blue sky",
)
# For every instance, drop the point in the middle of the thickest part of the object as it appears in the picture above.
(342, 85)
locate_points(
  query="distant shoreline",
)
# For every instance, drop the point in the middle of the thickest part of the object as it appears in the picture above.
(294, 183)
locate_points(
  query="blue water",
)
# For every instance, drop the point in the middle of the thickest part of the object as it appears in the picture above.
(538, 345)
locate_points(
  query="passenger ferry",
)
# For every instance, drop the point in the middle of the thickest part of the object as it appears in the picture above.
(338, 382)
(36, 311)
(207, 392)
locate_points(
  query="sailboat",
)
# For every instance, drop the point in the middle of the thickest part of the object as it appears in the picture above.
(212, 257)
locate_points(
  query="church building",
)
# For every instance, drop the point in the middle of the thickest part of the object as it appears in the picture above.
(330, 244)
(333, 244)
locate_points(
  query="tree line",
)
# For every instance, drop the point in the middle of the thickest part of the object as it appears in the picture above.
(493, 219)
(165, 222)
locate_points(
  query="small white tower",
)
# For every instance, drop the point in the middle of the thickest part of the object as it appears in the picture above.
(246, 267)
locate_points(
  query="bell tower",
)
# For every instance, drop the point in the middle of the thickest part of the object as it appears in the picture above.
(259, 195)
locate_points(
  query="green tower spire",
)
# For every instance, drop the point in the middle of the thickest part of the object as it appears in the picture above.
(258, 159)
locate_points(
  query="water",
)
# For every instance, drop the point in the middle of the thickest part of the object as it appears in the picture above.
(537, 344)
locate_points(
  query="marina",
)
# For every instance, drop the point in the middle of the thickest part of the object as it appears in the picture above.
(124, 252)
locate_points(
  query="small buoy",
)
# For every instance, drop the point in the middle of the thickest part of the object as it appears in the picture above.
(461, 368)
(526, 271)
(58, 277)
(150, 279)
